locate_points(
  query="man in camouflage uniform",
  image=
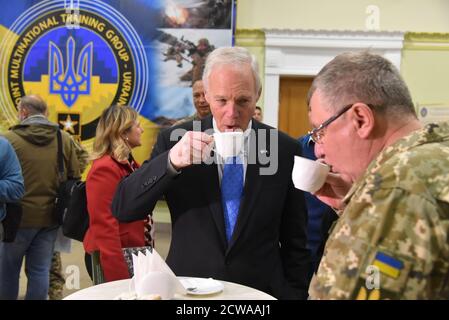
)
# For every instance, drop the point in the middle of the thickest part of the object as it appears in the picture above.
(391, 240)
(199, 101)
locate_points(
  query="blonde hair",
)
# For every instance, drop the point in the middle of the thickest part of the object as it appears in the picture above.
(114, 122)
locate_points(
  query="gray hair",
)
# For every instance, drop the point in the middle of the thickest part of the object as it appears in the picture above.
(34, 104)
(363, 77)
(234, 56)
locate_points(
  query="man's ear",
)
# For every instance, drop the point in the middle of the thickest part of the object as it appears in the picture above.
(23, 113)
(363, 119)
(259, 93)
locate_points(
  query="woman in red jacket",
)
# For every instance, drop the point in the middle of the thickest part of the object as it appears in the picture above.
(118, 132)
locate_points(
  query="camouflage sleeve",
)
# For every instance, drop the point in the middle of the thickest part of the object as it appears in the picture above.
(75, 155)
(387, 245)
(82, 155)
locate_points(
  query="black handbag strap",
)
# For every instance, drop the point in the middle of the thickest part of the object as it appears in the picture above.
(60, 156)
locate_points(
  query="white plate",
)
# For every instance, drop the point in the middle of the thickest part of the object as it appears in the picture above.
(201, 286)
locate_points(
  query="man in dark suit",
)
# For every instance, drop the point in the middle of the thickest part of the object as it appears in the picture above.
(250, 229)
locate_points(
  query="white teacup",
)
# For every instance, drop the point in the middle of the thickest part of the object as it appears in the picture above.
(309, 175)
(228, 144)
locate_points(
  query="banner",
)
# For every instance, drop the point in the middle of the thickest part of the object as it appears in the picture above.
(82, 56)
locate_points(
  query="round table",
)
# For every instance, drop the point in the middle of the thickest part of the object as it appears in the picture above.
(111, 290)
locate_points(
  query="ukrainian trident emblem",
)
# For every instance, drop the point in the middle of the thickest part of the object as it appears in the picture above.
(73, 80)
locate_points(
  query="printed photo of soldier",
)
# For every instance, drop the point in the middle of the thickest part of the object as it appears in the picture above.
(207, 14)
(181, 54)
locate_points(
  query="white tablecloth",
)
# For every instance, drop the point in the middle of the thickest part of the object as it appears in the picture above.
(110, 290)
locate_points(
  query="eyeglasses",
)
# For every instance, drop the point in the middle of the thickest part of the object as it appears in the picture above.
(318, 133)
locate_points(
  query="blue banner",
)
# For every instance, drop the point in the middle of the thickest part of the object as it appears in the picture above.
(83, 55)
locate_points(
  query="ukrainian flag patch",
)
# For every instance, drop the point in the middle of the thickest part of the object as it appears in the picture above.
(388, 265)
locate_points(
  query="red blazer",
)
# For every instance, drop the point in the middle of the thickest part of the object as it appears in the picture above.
(105, 233)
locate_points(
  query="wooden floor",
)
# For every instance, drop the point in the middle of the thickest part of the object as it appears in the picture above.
(73, 263)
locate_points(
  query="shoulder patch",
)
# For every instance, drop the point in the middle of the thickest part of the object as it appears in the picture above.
(388, 265)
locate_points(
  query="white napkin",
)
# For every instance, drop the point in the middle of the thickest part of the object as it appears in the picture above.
(153, 276)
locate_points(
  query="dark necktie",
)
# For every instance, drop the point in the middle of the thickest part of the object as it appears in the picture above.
(231, 193)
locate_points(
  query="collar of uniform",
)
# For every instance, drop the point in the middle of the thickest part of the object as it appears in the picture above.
(430, 133)
(196, 116)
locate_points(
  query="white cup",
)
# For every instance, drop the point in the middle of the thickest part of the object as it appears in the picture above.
(228, 144)
(309, 175)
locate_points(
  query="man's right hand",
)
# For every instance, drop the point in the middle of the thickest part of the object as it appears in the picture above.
(193, 148)
(334, 190)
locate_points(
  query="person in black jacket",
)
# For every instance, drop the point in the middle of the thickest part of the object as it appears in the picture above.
(265, 245)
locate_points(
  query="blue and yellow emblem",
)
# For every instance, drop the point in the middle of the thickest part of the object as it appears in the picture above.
(70, 80)
(80, 59)
(388, 265)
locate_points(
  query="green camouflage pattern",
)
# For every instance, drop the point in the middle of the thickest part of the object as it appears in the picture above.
(193, 117)
(82, 155)
(399, 208)
(57, 280)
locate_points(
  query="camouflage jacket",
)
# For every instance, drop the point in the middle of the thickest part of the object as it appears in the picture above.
(187, 119)
(391, 241)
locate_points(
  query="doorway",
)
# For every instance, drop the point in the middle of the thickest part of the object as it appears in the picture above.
(293, 109)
